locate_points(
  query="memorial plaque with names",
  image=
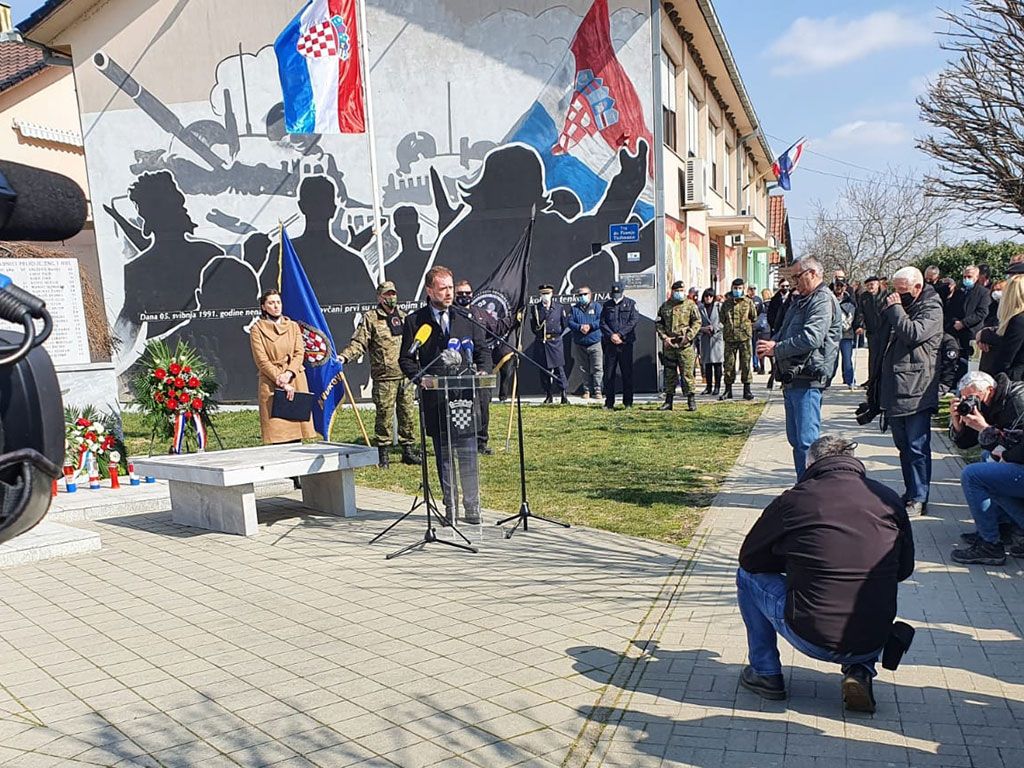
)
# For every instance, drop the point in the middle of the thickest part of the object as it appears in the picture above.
(56, 282)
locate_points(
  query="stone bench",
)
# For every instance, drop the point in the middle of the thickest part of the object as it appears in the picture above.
(214, 490)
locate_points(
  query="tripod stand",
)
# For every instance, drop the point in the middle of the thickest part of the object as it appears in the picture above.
(430, 534)
(524, 515)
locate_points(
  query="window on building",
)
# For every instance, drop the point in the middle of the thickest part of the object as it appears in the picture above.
(692, 113)
(713, 153)
(668, 99)
(727, 174)
(682, 187)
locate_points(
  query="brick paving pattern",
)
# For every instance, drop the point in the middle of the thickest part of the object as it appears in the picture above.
(304, 647)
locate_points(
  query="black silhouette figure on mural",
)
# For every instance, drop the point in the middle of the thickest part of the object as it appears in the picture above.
(164, 277)
(500, 204)
(337, 272)
(407, 267)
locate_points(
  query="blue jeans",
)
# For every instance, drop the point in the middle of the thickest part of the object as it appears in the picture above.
(803, 423)
(994, 490)
(846, 350)
(913, 438)
(762, 600)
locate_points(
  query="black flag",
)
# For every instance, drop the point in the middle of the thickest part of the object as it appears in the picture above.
(503, 294)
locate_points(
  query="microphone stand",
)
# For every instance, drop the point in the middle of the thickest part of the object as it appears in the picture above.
(524, 515)
(430, 534)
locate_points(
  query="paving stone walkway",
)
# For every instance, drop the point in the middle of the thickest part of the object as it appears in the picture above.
(303, 646)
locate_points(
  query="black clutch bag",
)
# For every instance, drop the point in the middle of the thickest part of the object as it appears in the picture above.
(298, 409)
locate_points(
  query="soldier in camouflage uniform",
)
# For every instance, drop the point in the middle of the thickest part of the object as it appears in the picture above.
(738, 315)
(380, 335)
(677, 325)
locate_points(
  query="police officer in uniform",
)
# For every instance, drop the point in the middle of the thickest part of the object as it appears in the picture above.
(677, 325)
(380, 335)
(548, 322)
(738, 315)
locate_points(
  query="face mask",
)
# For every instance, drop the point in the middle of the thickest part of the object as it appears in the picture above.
(968, 282)
(463, 301)
(678, 295)
(583, 300)
(736, 292)
(906, 299)
(545, 298)
(617, 298)
(389, 302)
(997, 295)
(784, 291)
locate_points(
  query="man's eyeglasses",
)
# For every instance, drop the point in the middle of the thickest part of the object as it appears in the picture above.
(463, 293)
(800, 274)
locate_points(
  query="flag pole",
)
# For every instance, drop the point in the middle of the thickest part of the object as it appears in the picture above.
(355, 408)
(280, 253)
(364, 66)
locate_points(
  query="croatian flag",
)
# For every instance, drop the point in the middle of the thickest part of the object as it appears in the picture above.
(787, 163)
(587, 111)
(318, 62)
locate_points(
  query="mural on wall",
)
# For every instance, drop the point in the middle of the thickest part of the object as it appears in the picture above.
(193, 194)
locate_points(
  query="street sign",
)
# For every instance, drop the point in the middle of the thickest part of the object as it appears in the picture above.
(623, 233)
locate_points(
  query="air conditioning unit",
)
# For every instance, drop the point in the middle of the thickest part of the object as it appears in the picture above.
(696, 182)
(734, 240)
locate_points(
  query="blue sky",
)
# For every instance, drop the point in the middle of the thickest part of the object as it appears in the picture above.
(843, 74)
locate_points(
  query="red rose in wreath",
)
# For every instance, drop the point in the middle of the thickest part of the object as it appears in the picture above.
(171, 403)
(197, 404)
(193, 382)
(84, 423)
(160, 373)
(179, 383)
(175, 369)
(90, 436)
(186, 369)
(159, 397)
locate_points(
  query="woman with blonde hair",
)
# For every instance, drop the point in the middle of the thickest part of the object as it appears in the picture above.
(1004, 345)
(278, 352)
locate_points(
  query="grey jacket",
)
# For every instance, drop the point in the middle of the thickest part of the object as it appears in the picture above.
(712, 347)
(910, 378)
(807, 344)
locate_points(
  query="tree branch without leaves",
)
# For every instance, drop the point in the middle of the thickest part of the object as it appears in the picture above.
(976, 106)
(877, 226)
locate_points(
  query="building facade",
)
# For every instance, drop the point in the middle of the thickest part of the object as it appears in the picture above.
(482, 111)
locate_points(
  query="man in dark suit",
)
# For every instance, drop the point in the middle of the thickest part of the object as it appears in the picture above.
(453, 442)
(618, 332)
(548, 323)
(968, 309)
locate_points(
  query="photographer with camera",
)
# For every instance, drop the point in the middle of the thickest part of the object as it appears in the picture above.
(990, 413)
(805, 349)
(908, 385)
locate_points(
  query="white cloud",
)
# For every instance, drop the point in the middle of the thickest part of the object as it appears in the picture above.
(867, 132)
(811, 45)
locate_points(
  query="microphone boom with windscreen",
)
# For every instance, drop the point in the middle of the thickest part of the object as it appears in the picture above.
(39, 205)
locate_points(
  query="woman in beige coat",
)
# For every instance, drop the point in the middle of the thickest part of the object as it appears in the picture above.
(277, 351)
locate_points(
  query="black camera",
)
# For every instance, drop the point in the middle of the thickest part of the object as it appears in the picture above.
(968, 405)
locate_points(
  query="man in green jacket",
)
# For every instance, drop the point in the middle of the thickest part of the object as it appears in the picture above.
(380, 335)
(677, 325)
(738, 316)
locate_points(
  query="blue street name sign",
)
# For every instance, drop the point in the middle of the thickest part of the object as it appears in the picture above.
(623, 233)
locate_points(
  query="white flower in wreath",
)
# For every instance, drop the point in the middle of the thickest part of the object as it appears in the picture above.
(115, 457)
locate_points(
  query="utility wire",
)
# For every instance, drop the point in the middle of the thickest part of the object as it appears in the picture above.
(833, 159)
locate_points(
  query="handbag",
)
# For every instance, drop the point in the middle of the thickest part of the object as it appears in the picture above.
(300, 408)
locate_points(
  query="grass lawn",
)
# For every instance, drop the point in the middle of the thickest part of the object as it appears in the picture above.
(641, 472)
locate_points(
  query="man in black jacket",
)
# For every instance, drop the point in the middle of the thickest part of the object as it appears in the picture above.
(871, 302)
(820, 567)
(908, 384)
(968, 309)
(994, 487)
(450, 444)
(618, 332)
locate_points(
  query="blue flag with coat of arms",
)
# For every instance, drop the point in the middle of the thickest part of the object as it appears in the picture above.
(323, 368)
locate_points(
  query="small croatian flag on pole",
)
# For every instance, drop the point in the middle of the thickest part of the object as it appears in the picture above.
(318, 62)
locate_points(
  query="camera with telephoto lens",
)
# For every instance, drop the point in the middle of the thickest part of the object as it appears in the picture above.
(968, 405)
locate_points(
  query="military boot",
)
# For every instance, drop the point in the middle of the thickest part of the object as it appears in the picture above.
(691, 402)
(747, 394)
(382, 457)
(410, 455)
(549, 399)
(667, 405)
(565, 399)
(727, 394)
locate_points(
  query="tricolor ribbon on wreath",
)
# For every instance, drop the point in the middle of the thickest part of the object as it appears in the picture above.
(181, 420)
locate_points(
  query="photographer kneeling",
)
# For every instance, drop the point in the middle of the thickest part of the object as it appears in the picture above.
(990, 413)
